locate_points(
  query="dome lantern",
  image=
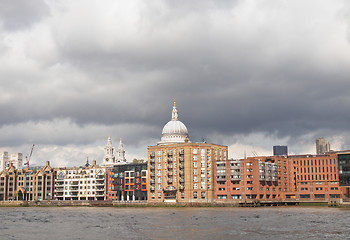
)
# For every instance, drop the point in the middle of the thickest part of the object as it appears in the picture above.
(174, 131)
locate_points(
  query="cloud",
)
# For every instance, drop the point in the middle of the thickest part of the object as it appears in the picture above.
(20, 14)
(242, 72)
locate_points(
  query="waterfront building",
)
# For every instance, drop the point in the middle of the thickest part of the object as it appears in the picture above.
(80, 183)
(322, 146)
(27, 184)
(316, 177)
(344, 168)
(16, 159)
(127, 182)
(111, 157)
(254, 178)
(279, 178)
(280, 150)
(179, 170)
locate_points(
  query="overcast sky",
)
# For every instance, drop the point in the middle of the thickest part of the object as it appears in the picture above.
(248, 74)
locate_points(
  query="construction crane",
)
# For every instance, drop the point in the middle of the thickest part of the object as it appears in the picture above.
(28, 158)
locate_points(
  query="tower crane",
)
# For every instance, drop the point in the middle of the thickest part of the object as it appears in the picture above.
(28, 158)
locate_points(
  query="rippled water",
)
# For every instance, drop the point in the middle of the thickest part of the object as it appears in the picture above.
(174, 223)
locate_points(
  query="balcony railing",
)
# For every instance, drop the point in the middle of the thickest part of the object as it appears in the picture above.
(221, 178)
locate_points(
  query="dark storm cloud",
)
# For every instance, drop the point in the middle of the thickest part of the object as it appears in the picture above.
(19, 14)
(234, 67)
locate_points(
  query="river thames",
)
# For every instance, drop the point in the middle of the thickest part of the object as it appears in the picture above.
(174, 223)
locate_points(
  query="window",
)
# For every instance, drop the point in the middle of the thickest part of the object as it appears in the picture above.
(195, 152)
(236, 196)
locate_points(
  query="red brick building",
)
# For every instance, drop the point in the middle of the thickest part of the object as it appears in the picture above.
(278, 178)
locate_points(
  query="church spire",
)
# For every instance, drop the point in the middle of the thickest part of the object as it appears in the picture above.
(175, 115)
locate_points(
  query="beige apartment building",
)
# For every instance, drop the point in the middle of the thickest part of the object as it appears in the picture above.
(27, 184)
(179, 170)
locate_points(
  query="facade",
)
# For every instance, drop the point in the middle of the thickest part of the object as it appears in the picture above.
(317, 177)
(111, 157)
(322, 146)
(279, 178)
(280, 150)
(254, 178)
(181, 171)
(127, 182)
(80, 183)
(344, 168)
(27, 184)
(16, 159)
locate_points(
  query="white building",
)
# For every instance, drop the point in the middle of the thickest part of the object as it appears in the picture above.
(111, 157)
(15, 158)
(81, 183)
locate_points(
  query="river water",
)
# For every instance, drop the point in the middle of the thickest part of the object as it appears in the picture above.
(174, 223)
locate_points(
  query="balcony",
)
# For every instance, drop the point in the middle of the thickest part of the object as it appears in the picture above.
(235, 167)
(170, 180)
(152, 160)
(182, 180)
(182, 173)
(182, 166)
(170, 173)
(152, 174)
(182, 187)
(235, 177)
(152, 167)
(153, 188)
(221, 178)
(153, 181)
(59, 189)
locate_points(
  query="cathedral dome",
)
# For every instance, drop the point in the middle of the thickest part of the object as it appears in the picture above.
(174, 131)
(175, 127)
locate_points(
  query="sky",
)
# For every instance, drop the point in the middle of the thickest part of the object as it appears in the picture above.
(248, 74)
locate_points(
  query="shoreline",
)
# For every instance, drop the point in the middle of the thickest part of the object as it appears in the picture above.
(55, 203)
